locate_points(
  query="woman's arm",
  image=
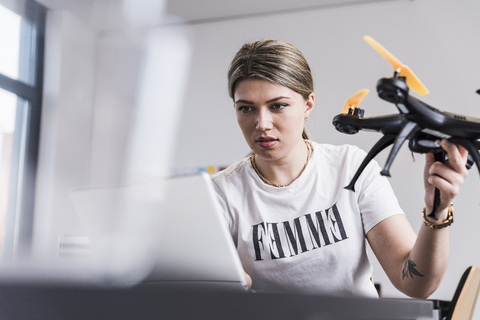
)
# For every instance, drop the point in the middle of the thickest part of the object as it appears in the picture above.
(416, 264)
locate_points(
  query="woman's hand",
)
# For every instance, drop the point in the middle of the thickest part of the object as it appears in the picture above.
(448, 177)
(249, 280)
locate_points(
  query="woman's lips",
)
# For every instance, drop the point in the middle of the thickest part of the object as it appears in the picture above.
(266, 142)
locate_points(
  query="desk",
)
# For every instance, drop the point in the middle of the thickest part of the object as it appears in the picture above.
(154, 302)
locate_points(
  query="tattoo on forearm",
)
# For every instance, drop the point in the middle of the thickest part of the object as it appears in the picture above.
(409, 269)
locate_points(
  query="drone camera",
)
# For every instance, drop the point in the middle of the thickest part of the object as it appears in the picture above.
(421, 144)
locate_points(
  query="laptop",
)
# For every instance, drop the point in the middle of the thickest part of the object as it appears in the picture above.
(176, 227)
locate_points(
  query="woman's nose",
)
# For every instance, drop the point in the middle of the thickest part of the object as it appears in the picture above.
(264, 120)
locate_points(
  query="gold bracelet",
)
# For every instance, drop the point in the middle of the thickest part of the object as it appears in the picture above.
(436, 226)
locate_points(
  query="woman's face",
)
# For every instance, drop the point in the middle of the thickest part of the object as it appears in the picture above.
(271, 117)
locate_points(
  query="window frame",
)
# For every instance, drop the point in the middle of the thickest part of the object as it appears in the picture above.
(23, 172)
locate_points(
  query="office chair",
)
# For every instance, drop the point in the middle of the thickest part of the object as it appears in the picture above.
(465, 297)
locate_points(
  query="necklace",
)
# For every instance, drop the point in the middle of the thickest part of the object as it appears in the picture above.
(262, 177)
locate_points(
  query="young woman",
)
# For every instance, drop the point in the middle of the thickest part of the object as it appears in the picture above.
(295, 226)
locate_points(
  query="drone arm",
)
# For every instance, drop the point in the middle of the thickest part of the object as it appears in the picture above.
(408, 130)
(384, 142)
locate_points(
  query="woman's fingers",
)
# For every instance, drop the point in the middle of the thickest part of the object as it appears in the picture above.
(447, 177)
(457, 156)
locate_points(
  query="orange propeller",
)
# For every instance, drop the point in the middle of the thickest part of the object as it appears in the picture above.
(354, 100)
(403, 70)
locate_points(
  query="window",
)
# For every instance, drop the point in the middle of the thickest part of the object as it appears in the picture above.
(22, 28)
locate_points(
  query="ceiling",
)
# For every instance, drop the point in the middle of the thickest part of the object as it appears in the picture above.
(197, 11)
(110, 14)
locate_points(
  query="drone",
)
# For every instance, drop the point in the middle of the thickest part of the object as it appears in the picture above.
(423, 125)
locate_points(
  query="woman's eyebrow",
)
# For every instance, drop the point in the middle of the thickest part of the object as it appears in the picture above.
(269, 101)
(278, 98)
(243, 101)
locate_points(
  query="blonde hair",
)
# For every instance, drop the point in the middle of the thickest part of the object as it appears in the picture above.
(273, 60)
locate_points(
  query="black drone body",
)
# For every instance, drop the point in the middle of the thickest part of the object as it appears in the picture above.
(421, 124)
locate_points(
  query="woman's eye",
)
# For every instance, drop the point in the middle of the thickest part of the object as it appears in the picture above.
(244, 109)
(278, 106)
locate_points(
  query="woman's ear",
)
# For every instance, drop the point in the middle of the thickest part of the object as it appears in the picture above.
(309, 103)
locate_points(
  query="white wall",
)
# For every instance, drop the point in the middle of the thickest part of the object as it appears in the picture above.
(437, 38)
(118, 60)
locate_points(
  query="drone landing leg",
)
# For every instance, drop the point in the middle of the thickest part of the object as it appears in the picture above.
(439, 156)
(408, 130)
(381, 144)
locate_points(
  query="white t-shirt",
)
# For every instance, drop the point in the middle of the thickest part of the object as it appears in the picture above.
(308, 236)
